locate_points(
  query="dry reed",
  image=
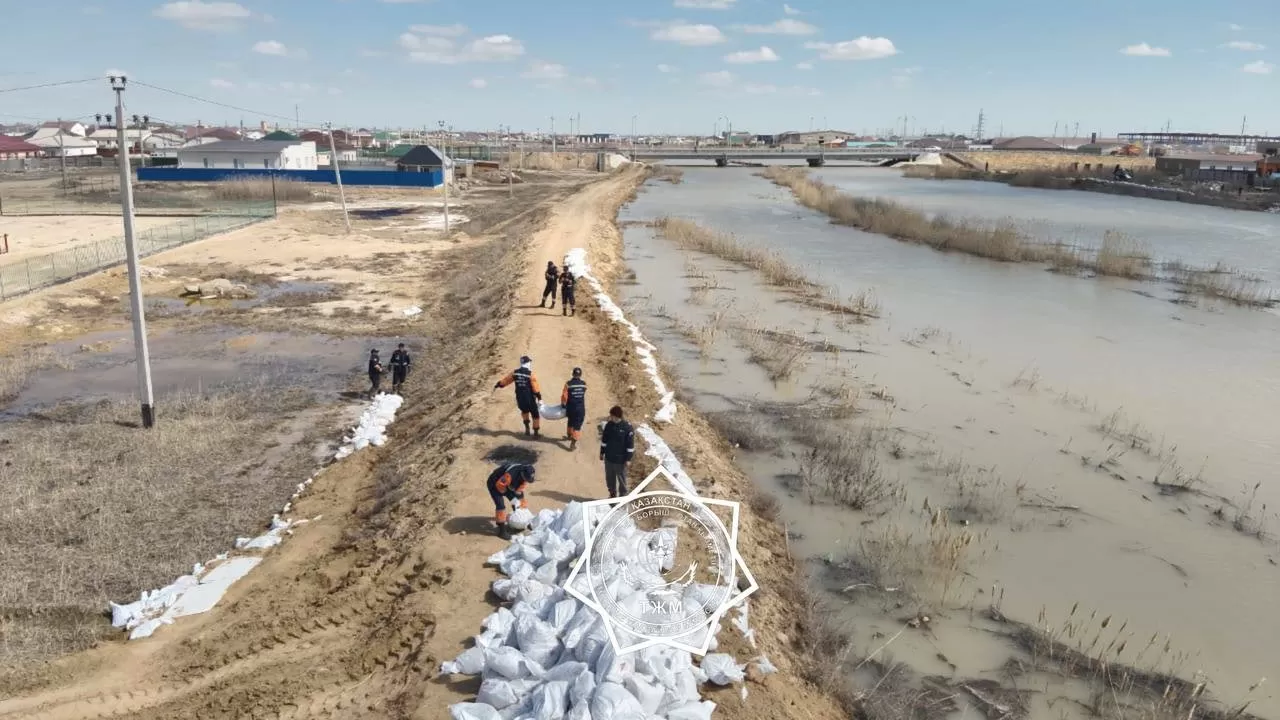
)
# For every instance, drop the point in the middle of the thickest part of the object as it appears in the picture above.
(667, 173)
(281, 189)
(775, 269)
(844, 465)
(16, 370)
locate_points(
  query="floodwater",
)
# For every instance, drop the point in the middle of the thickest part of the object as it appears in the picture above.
(997, 381)
(1196, 234)
(101, 365)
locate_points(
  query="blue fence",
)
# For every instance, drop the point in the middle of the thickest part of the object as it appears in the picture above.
(430, 178)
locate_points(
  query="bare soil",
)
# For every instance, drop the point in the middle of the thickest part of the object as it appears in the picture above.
(353, 614)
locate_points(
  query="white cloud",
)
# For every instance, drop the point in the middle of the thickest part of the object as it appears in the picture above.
(445, 51)
(1258, 67)
(786, 26)
(706, 4)
(455, 30)
(694, 35)
(197, 15)
(787, 9)
(722, 78)
(1234, 27)
(479, 83)
(665, 68)
(1245, 45)
(270, 47)
(764, 54)
(862, 48)
(804, 66)
(759, 89)
(1145, 50)
(545, 71)
(222, 84)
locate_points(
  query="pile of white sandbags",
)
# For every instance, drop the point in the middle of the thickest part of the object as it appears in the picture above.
(372, 427)
(549, 656)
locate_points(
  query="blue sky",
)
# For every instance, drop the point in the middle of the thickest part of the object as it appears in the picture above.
(676, 65)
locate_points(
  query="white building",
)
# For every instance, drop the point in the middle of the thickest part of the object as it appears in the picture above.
(55, 141)
(250, 154)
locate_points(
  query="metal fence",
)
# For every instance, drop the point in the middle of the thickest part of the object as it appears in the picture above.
(18, 276)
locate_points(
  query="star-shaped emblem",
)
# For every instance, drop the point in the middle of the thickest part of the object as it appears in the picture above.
(660, 567)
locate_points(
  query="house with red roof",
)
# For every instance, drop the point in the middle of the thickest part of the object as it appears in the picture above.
(12, 148)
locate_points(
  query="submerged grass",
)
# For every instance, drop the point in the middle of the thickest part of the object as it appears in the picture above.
(775, 269)
(17, 369)
(1118, 256)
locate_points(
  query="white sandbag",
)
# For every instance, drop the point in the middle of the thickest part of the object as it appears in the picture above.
(721, 669)
(693, 711)
(647, 692)
(583, 687)
(520, 519)
(500, 622)
(611, 701)
(508, 662)
(497, 692)
(473, 711)
(562, 613)
(470, 662)
(537, 640)
(552, 412)
(558, 550)
(567, 671)
(547, 573)
(579, 712)
(549, 701)
(764, 666)
(531, 554)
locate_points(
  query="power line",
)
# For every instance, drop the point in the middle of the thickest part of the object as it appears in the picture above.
(51, 84)
(215, 102)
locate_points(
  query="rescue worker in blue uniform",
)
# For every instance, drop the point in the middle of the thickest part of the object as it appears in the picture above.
(567, 285)
(528, 394)
(552, 274)
(574, 399)
(508, 483)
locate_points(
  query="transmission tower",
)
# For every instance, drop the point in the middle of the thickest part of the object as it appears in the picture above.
(982, 125)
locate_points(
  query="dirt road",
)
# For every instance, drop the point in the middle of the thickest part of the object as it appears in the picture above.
(352, 616)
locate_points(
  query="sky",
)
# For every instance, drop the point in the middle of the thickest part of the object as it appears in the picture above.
(664, 66)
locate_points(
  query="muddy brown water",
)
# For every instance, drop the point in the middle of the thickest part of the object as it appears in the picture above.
(102, 365)
(1004, 376)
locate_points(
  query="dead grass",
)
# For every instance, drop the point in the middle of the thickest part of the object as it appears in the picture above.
(844, 465)
(775, 269)
(283, 189)
(929, 563)
(97, 510)
(1225, 284)
(751, 431)
(16, 370)
(782, 353)
(666, 173)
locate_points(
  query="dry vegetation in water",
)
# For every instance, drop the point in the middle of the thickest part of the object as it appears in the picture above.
(1119, 255)
(776, 270)
(667, 173)
(96, 510)
(929, 562)
(16, 370)
(844, 464)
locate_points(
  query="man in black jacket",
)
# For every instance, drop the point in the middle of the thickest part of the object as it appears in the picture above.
(552, 275)
(508, 483)
(567, 282)
(617, 446)
(574, 400)
(375, 373)
(400, 364)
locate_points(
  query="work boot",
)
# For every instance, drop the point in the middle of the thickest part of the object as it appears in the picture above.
(526, 428)
(537, 432)
(573, 443)
(543, 303)
(564, 310)
(553, 304)
(503, 531)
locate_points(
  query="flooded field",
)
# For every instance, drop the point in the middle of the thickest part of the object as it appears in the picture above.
(1009, 467)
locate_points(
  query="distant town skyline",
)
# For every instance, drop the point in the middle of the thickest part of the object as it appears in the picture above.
(673, 67)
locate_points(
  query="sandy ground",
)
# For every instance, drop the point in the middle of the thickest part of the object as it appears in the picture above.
(32, 235)
(1015, 160)
(352, 616)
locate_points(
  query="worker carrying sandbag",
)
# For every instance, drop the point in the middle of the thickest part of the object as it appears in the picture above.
(375, 373)
(527, 394)
(574, 400)
(552, 274)
(508, 483)
(567, 283)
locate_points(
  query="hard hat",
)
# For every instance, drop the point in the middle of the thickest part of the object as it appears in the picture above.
(577, 372)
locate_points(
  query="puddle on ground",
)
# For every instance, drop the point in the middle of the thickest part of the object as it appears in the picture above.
(191, 361)
(283, 293)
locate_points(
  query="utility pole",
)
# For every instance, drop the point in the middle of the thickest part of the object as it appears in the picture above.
(511, 180)
(297, 117)
(445, 162)
(553, 136)
(62, 150)
(337, 175)
(633, 136)
(145, 394)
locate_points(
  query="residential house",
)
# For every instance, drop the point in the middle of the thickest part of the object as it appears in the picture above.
(250, 154)
(346, 151)
(212, 136)
(12, 148)
(280, 135)
(814, 137)
(71, 127)
(57, 141)
(426, 158)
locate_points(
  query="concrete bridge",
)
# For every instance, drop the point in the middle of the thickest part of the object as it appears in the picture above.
(814, 157)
